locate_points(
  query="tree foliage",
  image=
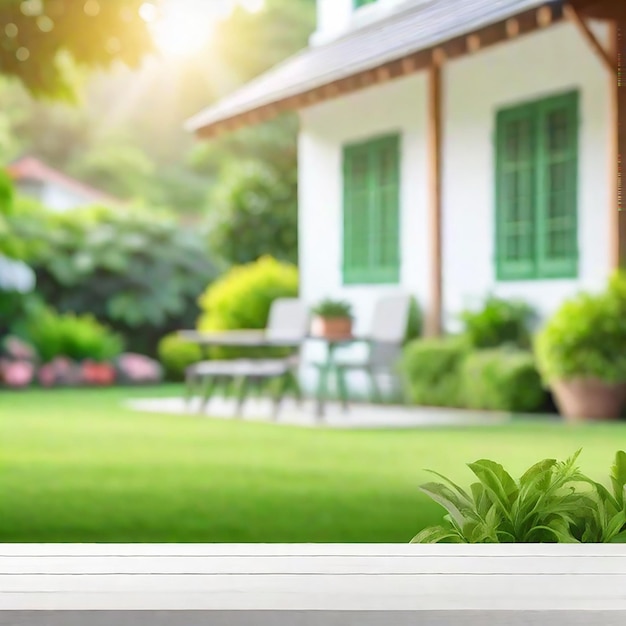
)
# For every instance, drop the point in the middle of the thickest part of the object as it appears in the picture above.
(254, 214)
(137, 270)
(43, 42)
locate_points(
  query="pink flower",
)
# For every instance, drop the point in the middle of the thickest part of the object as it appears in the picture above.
(18, 374)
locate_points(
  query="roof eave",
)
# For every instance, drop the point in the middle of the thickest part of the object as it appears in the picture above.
(209, 123)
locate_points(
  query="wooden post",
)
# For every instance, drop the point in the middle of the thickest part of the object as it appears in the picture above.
(618, 151)
(434, 326)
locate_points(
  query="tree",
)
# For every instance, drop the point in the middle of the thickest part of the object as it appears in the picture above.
(254, 214)
(44, 42)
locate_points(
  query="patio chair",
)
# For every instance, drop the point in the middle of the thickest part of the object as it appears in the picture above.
(288, 324)
(383, 346)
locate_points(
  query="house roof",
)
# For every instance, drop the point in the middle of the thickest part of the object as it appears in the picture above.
(415, 26)
(30, 168)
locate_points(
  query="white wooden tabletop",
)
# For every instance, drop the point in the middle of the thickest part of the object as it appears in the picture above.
(389, 578)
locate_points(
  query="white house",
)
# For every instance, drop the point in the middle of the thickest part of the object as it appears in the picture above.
(451, 149)
(56, 191)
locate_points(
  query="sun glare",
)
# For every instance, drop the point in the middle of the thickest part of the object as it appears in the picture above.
(179, 29)
(184, 27)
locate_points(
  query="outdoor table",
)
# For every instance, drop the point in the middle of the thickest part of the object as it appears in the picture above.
(329, 366)
(237, 339)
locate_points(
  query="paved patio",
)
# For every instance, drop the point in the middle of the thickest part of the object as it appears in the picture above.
(360, 416)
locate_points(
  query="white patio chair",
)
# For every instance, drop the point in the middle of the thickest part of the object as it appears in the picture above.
(383, 344)
(288, 325)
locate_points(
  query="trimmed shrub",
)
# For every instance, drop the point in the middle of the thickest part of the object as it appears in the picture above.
(502, 380)
(72, 336)
(431, 369)
(499, 322)
(176, 355)
(242, 298)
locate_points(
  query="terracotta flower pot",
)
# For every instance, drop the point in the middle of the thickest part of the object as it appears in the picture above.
(589, 399)
(332, 327)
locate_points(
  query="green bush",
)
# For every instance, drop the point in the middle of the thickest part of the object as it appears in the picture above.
(431, 369)
(553, 502)
(242, 298)
(137, 271)
(502, 380)
(497, 323)
(72, 336)
(585, 338)
(176, 355)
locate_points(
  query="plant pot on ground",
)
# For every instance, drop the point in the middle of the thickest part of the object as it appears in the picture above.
(332, 320)
(581, 354)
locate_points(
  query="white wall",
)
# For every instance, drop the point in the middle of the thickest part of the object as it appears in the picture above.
(59, 199)
(539, 65)
(399, 107)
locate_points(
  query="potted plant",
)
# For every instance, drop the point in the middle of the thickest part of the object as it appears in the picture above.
(581, 354)
(332, 320)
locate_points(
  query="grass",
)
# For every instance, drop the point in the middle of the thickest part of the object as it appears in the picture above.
(76, 467)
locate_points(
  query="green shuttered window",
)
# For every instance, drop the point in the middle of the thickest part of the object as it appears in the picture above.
(536, 190)
(371, 212)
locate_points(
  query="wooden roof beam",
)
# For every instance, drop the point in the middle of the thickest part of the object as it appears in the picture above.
(574, 15)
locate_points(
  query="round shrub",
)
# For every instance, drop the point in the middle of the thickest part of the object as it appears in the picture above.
(176, 355)
(431, 369)
(497, 323)
(585, 338)
(502, 380)
(241, 299)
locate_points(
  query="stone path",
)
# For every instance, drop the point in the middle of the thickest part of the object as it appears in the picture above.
(360, 416)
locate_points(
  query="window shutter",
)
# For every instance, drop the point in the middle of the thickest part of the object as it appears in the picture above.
(557, 198)
(385, 205)
(371, 212)
(515, 194)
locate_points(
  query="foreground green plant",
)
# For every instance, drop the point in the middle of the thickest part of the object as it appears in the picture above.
(553, 502)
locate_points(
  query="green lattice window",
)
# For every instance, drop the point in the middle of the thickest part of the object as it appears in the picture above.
(536, 195)
(371, 212)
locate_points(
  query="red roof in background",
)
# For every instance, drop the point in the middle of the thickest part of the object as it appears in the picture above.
(30, 168)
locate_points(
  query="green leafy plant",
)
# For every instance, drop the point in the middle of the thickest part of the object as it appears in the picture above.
(333, 309)
(552, 502)
(176, 355)
(585, 339)
(431, 371)
(72, 336)
(242, 299)
(497, 323)
(502, 379)
(137, 271)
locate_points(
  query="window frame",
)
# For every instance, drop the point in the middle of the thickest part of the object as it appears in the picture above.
(539, 267)
(381, 275)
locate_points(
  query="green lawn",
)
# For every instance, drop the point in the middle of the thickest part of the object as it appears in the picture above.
(76, 467)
